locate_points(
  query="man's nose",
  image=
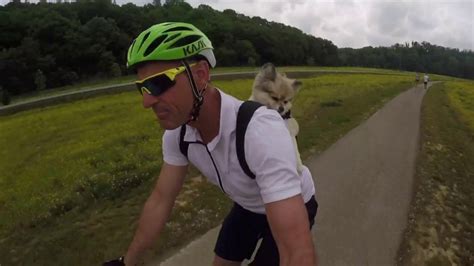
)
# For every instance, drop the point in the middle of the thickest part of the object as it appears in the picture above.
(149, 100)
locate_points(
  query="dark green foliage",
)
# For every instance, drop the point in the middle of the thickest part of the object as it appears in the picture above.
(40, 80)
(5, 96)
(87, 40)
(420, 57)
(84, 40)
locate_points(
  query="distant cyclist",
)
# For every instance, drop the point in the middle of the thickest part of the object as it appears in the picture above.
(277, 205)
(417, 78)
(426, 78)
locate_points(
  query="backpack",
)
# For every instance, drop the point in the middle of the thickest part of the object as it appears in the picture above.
(244, 115)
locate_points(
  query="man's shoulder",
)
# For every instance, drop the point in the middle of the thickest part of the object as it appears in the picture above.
(227, 97)
(173, 131)
(266, 122)
(264, 113)
(171, 134)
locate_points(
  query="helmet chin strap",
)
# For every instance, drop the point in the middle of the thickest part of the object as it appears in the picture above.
(198, 95)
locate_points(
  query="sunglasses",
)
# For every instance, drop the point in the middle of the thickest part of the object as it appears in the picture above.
(160, 82)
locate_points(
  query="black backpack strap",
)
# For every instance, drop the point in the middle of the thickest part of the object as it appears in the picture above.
(244, 115)
(183, 145)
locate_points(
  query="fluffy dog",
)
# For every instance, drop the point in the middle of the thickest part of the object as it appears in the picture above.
(277, 92)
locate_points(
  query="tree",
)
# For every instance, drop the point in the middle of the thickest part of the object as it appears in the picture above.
(174, 2)
(5, 96)
(40, 80)
(87, 39)
(244, 50)
(115, 70)
(225, 56)
(251, 61)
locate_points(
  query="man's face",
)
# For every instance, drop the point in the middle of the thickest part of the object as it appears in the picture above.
(173, 106)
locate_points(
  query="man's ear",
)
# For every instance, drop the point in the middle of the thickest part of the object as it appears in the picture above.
(202, 72)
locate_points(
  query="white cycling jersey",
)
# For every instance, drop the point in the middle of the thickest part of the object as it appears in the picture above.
(269, 152)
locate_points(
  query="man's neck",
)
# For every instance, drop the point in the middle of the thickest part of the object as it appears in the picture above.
(209, 116)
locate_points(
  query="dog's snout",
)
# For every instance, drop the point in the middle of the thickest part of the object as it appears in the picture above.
(281, 109)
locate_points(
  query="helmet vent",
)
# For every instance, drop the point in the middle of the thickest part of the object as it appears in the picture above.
(156, 42)
(180, 28)
(185, 41)
(172, 37)
(143, 40)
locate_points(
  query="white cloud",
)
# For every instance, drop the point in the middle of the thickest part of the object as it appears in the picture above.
(368, 22)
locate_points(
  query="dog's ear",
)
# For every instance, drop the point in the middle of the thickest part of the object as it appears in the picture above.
(297, 85)
(269, 72)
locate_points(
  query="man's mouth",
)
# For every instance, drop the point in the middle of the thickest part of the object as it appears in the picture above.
(160, 111)
(162, 114)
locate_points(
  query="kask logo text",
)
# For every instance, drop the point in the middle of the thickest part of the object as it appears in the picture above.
(192, 48)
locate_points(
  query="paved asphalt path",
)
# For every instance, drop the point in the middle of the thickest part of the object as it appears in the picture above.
(364, 185)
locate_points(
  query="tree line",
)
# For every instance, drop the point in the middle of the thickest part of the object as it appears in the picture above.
(47, 45)
(414, 56)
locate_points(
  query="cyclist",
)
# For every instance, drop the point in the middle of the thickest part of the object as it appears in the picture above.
(426, 78)
(173, 62)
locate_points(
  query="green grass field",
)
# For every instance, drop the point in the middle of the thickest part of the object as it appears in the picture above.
(440, 230)
(75, 176)
(461, 96)
(130, 78)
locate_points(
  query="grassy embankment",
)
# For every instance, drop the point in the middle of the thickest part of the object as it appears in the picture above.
(74, 176)
(130, 78)
(441, 228)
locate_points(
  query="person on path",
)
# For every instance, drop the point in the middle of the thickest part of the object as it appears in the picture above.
(426, 78)
(277, 204)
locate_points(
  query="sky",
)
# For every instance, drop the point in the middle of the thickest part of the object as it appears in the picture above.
(359, 23)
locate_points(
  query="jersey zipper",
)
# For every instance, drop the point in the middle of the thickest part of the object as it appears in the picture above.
(213, 163)
(217, 171)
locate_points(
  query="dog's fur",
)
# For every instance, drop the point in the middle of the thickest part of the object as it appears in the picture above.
(276, 91)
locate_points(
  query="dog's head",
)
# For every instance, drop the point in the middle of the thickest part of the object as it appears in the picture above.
(274, 89)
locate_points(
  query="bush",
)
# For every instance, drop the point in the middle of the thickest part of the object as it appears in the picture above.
(40, 80)
(5, 96)
(251, 61)
(115, 70)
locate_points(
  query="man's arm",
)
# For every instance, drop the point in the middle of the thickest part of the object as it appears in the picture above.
(289, 223)
(156, 211)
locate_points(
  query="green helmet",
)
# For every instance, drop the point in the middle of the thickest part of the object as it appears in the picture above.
(170, 41)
